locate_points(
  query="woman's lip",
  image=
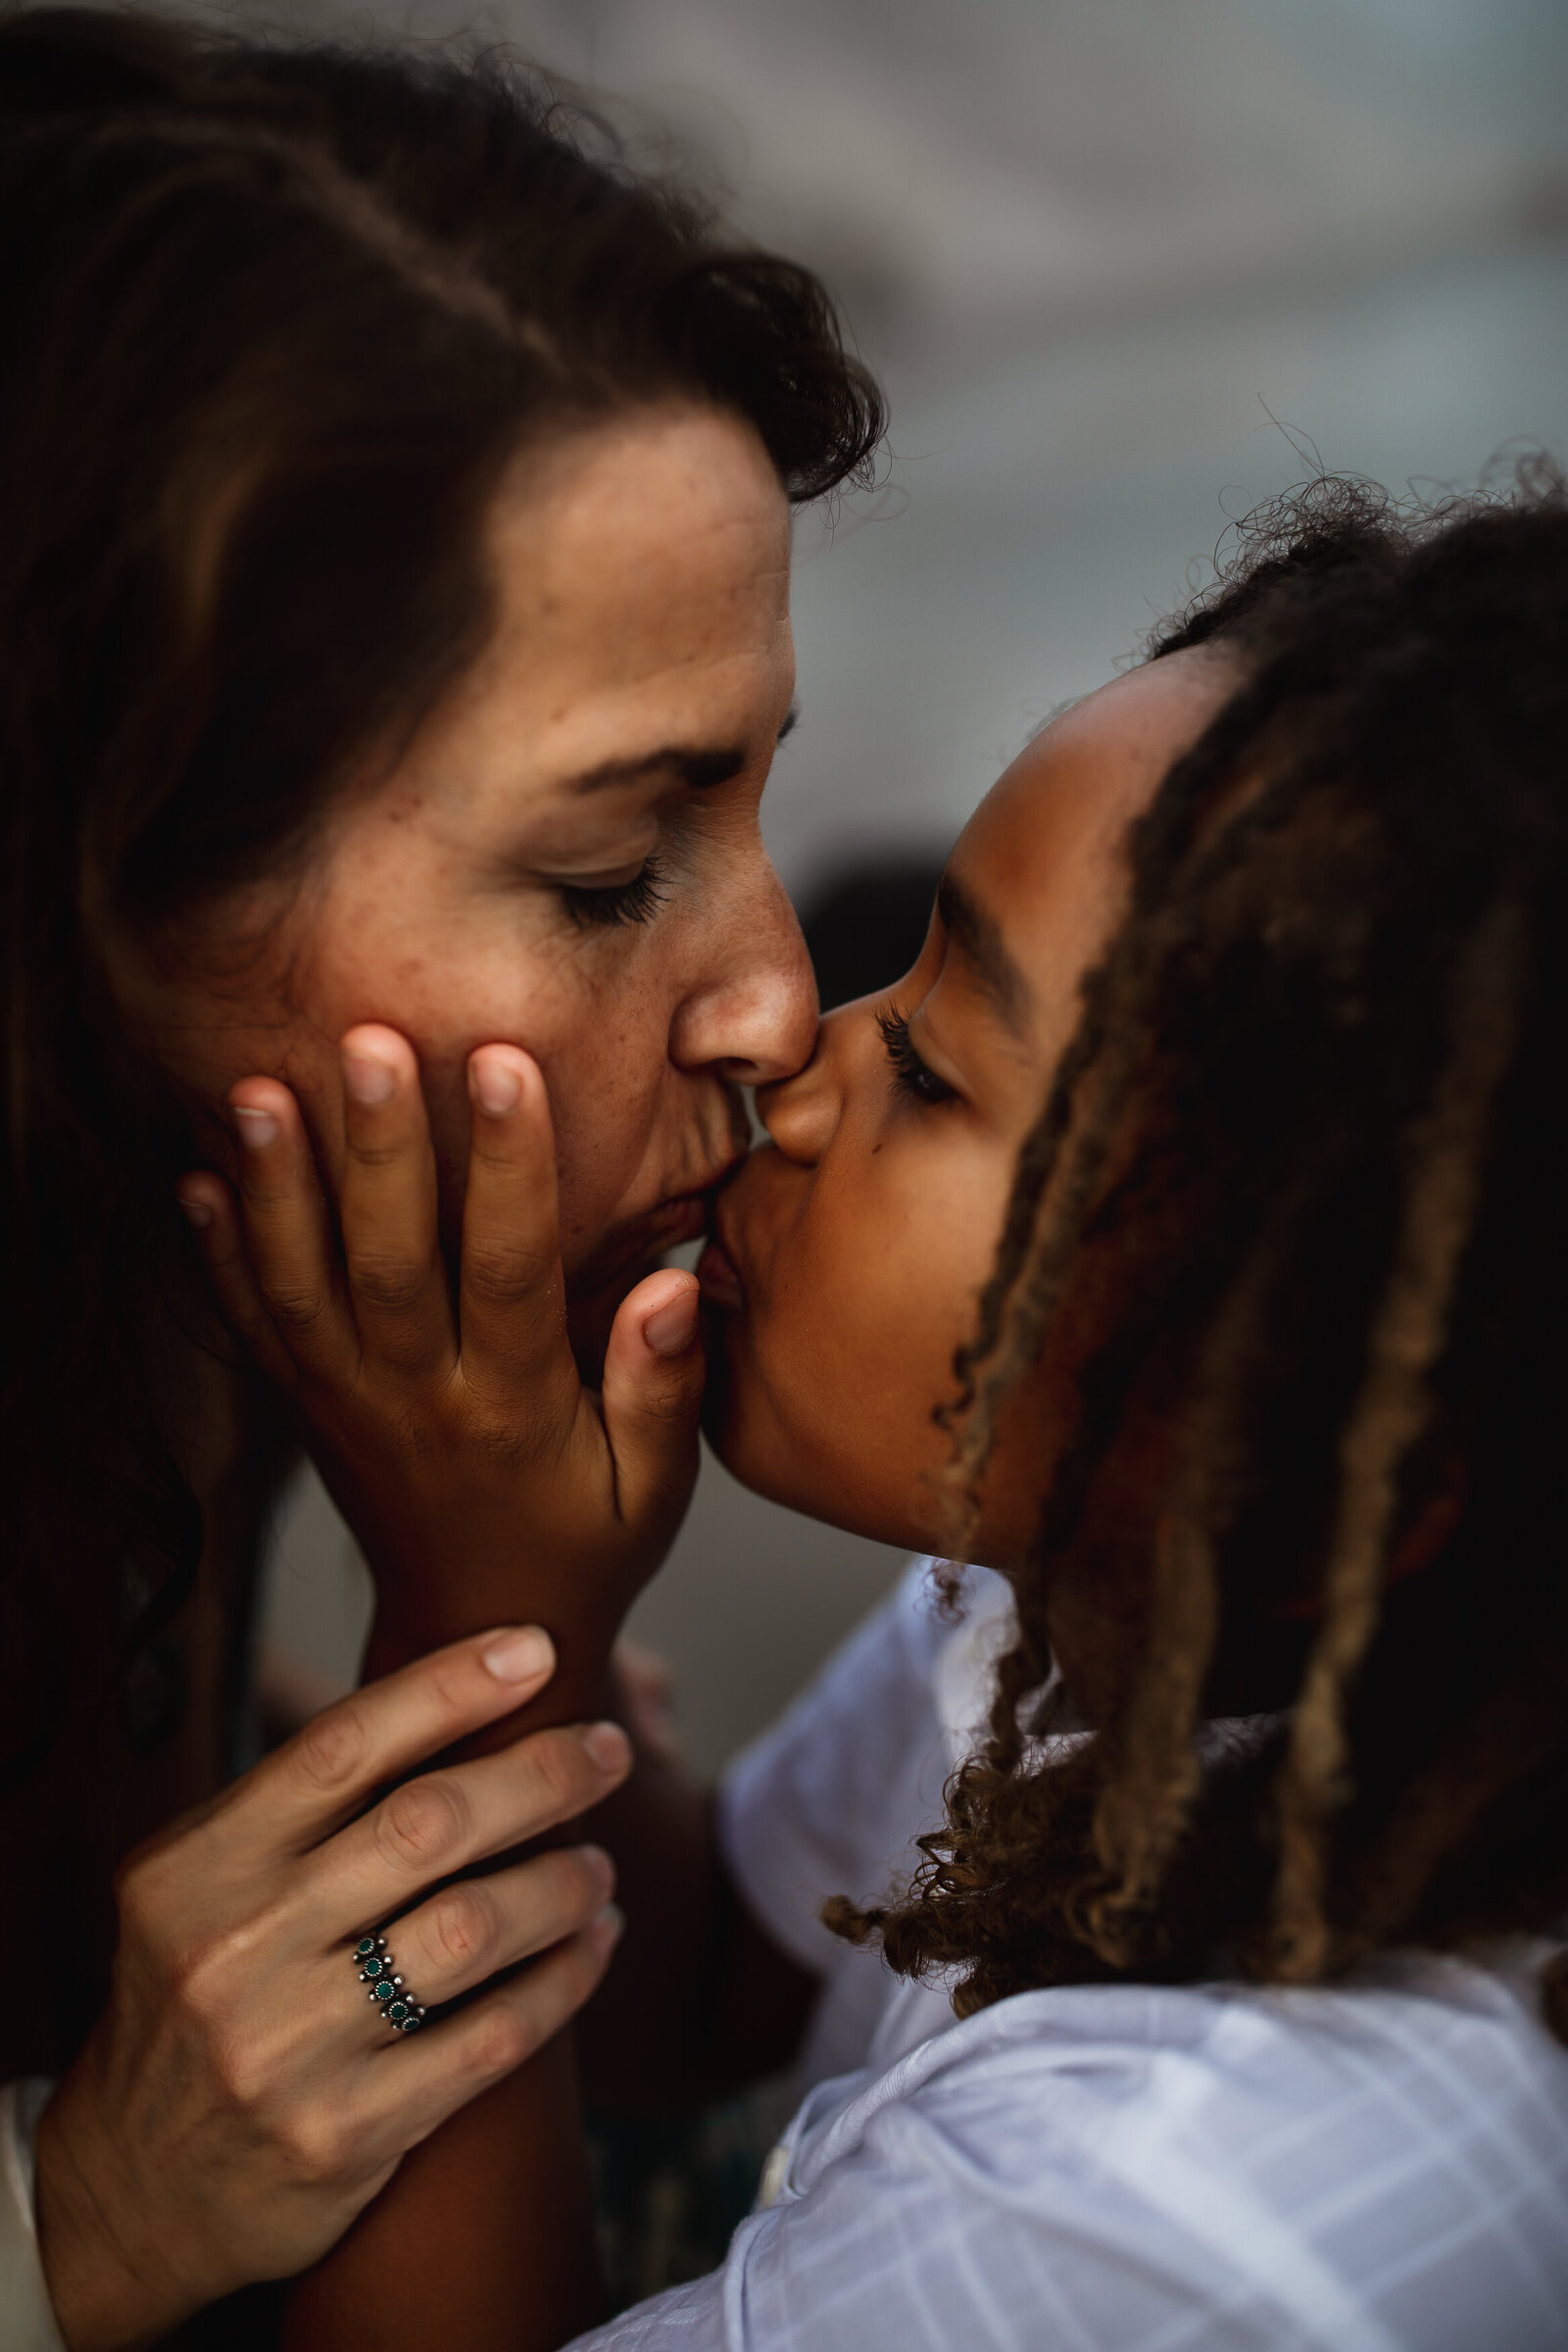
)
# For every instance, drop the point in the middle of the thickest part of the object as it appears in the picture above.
(647, 1239)
(718, 1279)
(680, 1220)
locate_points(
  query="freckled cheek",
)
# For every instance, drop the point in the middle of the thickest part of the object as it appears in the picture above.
(622, 1130)
(449, 993)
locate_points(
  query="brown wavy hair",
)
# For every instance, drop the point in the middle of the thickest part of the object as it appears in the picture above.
(1291, 1238)
(275, 317)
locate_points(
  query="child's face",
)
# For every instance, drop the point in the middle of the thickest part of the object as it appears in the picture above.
(849, 1256)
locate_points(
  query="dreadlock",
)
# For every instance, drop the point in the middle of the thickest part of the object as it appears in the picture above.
(1297, 1201)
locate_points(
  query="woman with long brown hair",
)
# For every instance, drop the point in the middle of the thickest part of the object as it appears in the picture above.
(394, 602)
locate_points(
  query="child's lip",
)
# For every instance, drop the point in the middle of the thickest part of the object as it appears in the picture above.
(717, 1276)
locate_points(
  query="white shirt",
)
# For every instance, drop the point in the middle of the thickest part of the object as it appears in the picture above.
(1209, 2168)
(27, 2314)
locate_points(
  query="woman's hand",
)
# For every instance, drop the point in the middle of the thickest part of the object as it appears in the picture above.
(242, 2097)
(480, 1477)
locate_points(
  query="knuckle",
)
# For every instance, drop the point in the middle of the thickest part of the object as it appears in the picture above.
(297, 1310)
(498, 1274)
(246, 2070)
(368, 1152)
(394, 1285)
(316, 2147)
(454, 1679)
(669, 1403)
(203, 1972)
(464, 1926)
(422, 1822)
(557, 1769)
(450, 1679)
(333, 1747)
(501, 2040)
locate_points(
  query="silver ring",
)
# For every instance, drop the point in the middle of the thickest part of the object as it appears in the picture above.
(387, 1992)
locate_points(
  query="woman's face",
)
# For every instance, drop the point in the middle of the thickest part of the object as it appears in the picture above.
(850, 1254)
(567, 857)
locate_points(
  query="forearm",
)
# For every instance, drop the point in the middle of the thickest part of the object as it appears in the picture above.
(699, 2000)
(482, 2238)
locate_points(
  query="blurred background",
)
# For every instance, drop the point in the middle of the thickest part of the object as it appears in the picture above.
(1126, 267)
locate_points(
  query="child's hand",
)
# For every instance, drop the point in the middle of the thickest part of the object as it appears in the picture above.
(463, 1448)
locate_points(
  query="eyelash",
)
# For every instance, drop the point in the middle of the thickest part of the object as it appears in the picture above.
(635, 902)
(911, 1076)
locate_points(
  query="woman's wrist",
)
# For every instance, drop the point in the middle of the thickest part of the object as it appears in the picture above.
(109, 2294)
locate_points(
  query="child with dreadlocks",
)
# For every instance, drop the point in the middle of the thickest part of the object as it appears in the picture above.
(1224, 1998)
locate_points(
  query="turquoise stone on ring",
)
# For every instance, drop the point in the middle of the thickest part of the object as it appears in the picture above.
(397, 2014)
(366, 1946)
(383, 1992)
(372, 1968)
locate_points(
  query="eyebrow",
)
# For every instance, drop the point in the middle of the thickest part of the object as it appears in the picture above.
(699, 770)
(977, 936)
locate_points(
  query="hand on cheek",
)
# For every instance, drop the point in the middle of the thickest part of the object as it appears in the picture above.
(479, 1476)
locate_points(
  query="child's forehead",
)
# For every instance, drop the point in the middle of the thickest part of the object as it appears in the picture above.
(1042, 859)
(1044, 850)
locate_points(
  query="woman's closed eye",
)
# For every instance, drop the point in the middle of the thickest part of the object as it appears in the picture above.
(911, 1076)
(637, 900)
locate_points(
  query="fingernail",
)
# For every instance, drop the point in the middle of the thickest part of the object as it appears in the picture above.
(671, 1329)
(520, 1655)
(368, 1081)
(609, 1746)
(256, 1129)
(195, 1212)
(600, 1866)
(497, 1087)
(608, 1929)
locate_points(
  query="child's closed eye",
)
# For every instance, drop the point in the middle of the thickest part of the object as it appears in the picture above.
(911, 1076)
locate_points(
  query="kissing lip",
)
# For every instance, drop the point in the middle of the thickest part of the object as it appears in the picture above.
(682, 1216)
(718, 1274)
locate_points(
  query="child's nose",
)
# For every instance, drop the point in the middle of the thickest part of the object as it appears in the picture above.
(802, 1113)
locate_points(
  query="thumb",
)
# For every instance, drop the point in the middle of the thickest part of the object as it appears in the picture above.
(652, 1393)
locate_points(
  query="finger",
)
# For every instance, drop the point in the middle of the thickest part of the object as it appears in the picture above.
(511, 1291)
(322, 1777)
(469, 1931)
(408, 2091)
(438, 1823)
(388, 1210)
(287, 1231)
(651, 1395)
(210, 1209)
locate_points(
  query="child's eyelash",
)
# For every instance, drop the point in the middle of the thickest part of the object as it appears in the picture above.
(635, 902)
(910, 1075)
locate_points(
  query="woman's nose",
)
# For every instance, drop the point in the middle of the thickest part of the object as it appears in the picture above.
(752, 1020)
